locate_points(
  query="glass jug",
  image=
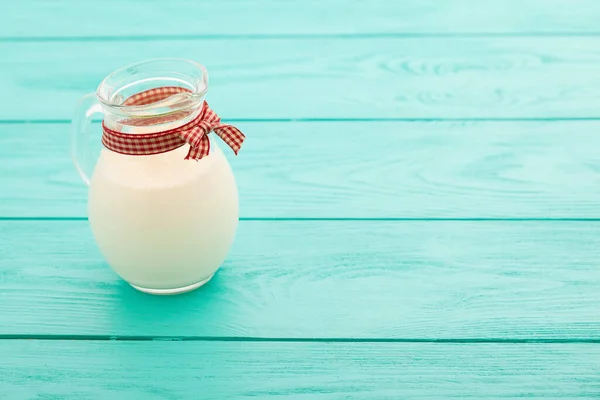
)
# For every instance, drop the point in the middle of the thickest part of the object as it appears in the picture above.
(164, 223)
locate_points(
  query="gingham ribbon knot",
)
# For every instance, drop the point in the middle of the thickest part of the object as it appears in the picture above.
(194, 133)
(197, 135)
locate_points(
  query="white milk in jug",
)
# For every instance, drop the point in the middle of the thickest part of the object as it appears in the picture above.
(164, 224)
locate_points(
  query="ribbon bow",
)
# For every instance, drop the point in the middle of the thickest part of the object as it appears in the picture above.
(194, 133)
(197, 135)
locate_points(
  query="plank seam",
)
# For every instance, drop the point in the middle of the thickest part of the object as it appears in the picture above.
(353, 120)
(293, 36)
(342, 219)
(142, 338)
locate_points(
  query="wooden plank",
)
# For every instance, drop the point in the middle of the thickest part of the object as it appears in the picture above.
(68, 18)
(488, 77)
(308, 279)
(353, 170)
(182, 370)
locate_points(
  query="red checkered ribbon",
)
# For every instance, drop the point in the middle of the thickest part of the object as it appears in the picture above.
(194, 133)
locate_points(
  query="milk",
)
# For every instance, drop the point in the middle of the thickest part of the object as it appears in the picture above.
(164, 224)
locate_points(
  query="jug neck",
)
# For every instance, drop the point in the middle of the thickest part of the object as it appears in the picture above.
(158, 116)
(153, 96)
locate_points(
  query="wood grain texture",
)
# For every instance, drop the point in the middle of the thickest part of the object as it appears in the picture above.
(283, 316)
(69, 18)
(209, 370)
(486, 77)
(353, 170)
(320, 279)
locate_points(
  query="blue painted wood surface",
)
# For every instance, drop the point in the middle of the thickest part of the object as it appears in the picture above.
(348, 169)
(328, 78)
(322, 279)
(209, 370)
(446, 247)
(40, 20)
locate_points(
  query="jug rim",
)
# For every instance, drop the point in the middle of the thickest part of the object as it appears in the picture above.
(198, 85)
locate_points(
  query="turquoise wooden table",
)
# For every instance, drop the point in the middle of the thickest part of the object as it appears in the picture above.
(420, 203)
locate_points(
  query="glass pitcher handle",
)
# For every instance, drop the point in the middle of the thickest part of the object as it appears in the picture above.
(80, 135)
